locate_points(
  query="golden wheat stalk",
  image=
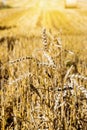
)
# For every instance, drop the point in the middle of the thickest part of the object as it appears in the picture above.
(75, 76)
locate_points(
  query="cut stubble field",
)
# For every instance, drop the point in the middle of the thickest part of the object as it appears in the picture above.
(43, 65)
(26, 19)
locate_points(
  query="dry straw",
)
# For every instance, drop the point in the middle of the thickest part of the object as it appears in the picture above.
(46, 94)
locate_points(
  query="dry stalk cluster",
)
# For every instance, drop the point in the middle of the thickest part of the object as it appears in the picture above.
(46, 93)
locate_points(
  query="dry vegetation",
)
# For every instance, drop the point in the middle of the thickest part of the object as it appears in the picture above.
(45, 90)
(43, 77)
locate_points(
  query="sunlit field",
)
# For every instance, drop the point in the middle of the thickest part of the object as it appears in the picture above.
(43, 65)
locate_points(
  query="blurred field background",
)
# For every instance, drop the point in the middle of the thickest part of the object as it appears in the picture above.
(22, 46)
(26, 18)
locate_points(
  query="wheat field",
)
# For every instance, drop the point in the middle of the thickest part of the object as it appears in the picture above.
(43, 65)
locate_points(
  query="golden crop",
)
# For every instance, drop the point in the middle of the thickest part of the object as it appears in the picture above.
(43, 71)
